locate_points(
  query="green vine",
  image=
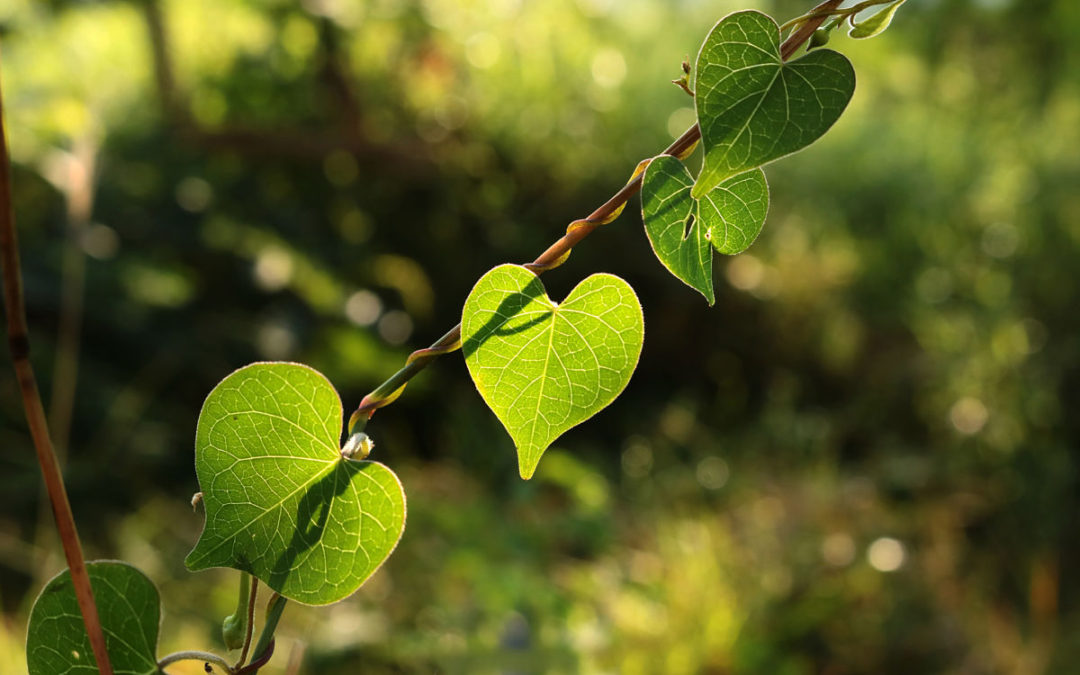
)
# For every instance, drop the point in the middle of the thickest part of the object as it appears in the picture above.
(331, 516)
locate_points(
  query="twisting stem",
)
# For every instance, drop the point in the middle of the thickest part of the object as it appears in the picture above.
(253, 592)
(820, 12)
(554, 256)
(19, 344)
(195, 655)
(557, 253)
(265, 646)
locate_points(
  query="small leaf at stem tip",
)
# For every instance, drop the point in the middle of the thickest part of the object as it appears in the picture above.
(752, 106)
(129, 610)
(876, 23)
(281, 502)
(543, 368)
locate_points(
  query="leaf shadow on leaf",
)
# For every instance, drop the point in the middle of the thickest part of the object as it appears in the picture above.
(511, 305)
(312, 514)
(679, 206)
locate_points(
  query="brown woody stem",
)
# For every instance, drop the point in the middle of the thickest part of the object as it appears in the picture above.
(19, 344)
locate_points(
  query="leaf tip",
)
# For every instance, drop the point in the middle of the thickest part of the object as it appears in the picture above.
(527, 466)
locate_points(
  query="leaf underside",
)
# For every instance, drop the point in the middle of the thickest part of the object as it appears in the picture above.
(544, 368)
(683, 231)
(128, 608)
(753, 107)
(281, 502)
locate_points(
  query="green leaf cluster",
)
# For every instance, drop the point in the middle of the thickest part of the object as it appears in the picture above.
(544, 368)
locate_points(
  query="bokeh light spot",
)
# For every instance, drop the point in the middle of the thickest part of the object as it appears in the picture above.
(712, 473)
(609, 68)
(193, 194)
(886, 554)
(483, 50)
(968, 415)
(838, 549)
(745, 272)
(273, 269)
(680, 120)
(395, 327)
(363, 308)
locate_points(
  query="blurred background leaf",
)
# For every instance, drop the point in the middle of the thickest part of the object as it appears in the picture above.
(861, 460)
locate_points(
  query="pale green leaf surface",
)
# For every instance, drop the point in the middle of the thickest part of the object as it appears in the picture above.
(753, 107)
(129, 610)
(281, 502)
(544, 368)
(876, 23)
(683, 230)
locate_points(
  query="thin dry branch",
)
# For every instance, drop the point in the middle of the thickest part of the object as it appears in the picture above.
(19, 345)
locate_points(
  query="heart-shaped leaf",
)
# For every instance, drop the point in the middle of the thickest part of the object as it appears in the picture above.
(683, 230)
(129, 610)
(753, 107)
(281, 502)
(544, 368)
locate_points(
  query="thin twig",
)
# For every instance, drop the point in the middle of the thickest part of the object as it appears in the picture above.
(19, 344)
(389, 390)
(75, 178)
(252, 594)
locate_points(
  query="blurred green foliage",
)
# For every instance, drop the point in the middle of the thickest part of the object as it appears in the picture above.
(861, 460)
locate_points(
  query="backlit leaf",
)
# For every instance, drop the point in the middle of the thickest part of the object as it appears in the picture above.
(544, 368)
(281, 502)
(128, 607)
(753, 107)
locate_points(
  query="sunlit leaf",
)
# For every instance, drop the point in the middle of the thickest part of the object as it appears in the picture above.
(753, 107)
(683, 230)
(544, 368)
(876, 23)
(281, 501)
(129, 610)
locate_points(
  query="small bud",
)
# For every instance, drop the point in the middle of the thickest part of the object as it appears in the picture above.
(684, 84)
(233, 630)
(358, 446)
(819, 38)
